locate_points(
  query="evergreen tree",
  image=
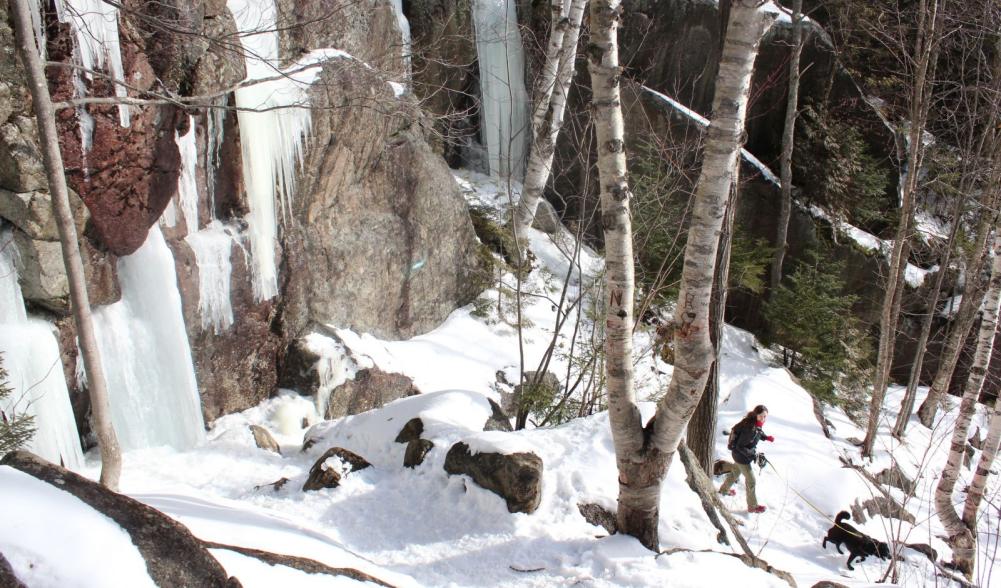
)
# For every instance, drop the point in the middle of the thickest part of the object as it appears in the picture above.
(15, 429)
(811, 317)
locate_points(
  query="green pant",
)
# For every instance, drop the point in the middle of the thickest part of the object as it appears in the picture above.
(749, 482)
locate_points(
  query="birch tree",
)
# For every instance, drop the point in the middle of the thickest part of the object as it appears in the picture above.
(925, 51)
(550, 105)
(29, 50)
(644, 451)
(962, 536)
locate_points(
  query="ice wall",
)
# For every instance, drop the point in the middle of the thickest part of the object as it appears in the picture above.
(35, 371)
(213, 246)
(274, 123)
(146, 356)
(503, 98)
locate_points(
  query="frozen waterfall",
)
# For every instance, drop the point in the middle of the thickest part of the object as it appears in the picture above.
(146, 356)
(35, 370)
(503, 99)
(404, 24)
(275, 122)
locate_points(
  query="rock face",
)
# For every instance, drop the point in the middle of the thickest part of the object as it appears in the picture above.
(362, 246)
(516, 477)
(370, 389)
(174, 557)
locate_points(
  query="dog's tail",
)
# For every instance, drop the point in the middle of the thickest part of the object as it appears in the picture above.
(843, 515)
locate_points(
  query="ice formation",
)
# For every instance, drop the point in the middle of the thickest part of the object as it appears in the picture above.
(187, 189)
(146, 356)
(35, 370)
(504, 100)
(95, 28)
(404, 24)
(213, 246)
(274, 123)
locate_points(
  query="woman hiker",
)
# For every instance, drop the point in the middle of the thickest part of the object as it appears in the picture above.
(743, 442)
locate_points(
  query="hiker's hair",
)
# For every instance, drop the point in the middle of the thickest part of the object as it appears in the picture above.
(751, 418)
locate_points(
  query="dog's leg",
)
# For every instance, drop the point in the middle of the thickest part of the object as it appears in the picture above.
(838, 545)
(851, 556)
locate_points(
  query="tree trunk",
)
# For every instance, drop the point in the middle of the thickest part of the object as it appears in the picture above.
(701, 436)
(788, 134)
(692, 343)
(907, 406)
(975, 495)
(920, 102)
(962, 537)
(547, 119)
(968, 308)
(28, 48)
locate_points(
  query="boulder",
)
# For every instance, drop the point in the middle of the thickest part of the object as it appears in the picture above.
(515, 477)
(174, 557)
(371, 388)
(893, 476)
(371, 208)
(328, 475)
(887, 507)
(417, 450)
(411, 431)
(828, 584)
(264, 439)
(498, 421)
(7, 577)
(599, 516)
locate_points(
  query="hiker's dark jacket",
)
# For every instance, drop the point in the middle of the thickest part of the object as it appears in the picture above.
(746, 442)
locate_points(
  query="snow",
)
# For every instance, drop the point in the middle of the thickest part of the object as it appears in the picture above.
(52, 538)
(421, 527)
(765, 171)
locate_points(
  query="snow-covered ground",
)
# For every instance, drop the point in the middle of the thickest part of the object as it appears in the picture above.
(421, 527)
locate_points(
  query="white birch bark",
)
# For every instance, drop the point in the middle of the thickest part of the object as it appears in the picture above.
(644, 461)
(975, 495)
(111, 456)
(961, 537)
(547, 119)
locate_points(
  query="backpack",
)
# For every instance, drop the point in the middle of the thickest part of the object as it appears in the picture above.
(731, 443)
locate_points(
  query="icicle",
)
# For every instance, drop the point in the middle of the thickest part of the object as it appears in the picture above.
(275, 122)
(35, 371)
(330, 367)
(146, 356)
(95, 28)
(187, 188)
(503, 98)
(404, 24)
(213, 246)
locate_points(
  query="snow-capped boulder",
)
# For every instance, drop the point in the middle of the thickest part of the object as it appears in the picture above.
(515, 477)
(173, 556)
(333, 465)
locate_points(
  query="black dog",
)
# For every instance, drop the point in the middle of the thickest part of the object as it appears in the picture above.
(858, 543)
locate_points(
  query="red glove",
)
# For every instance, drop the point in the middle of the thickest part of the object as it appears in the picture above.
(769, 438)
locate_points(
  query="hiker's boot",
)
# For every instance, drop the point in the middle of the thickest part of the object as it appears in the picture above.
(730, 492)
(757, 509)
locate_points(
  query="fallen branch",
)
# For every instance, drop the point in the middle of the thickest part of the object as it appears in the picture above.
(310, 566)
(749, 560)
